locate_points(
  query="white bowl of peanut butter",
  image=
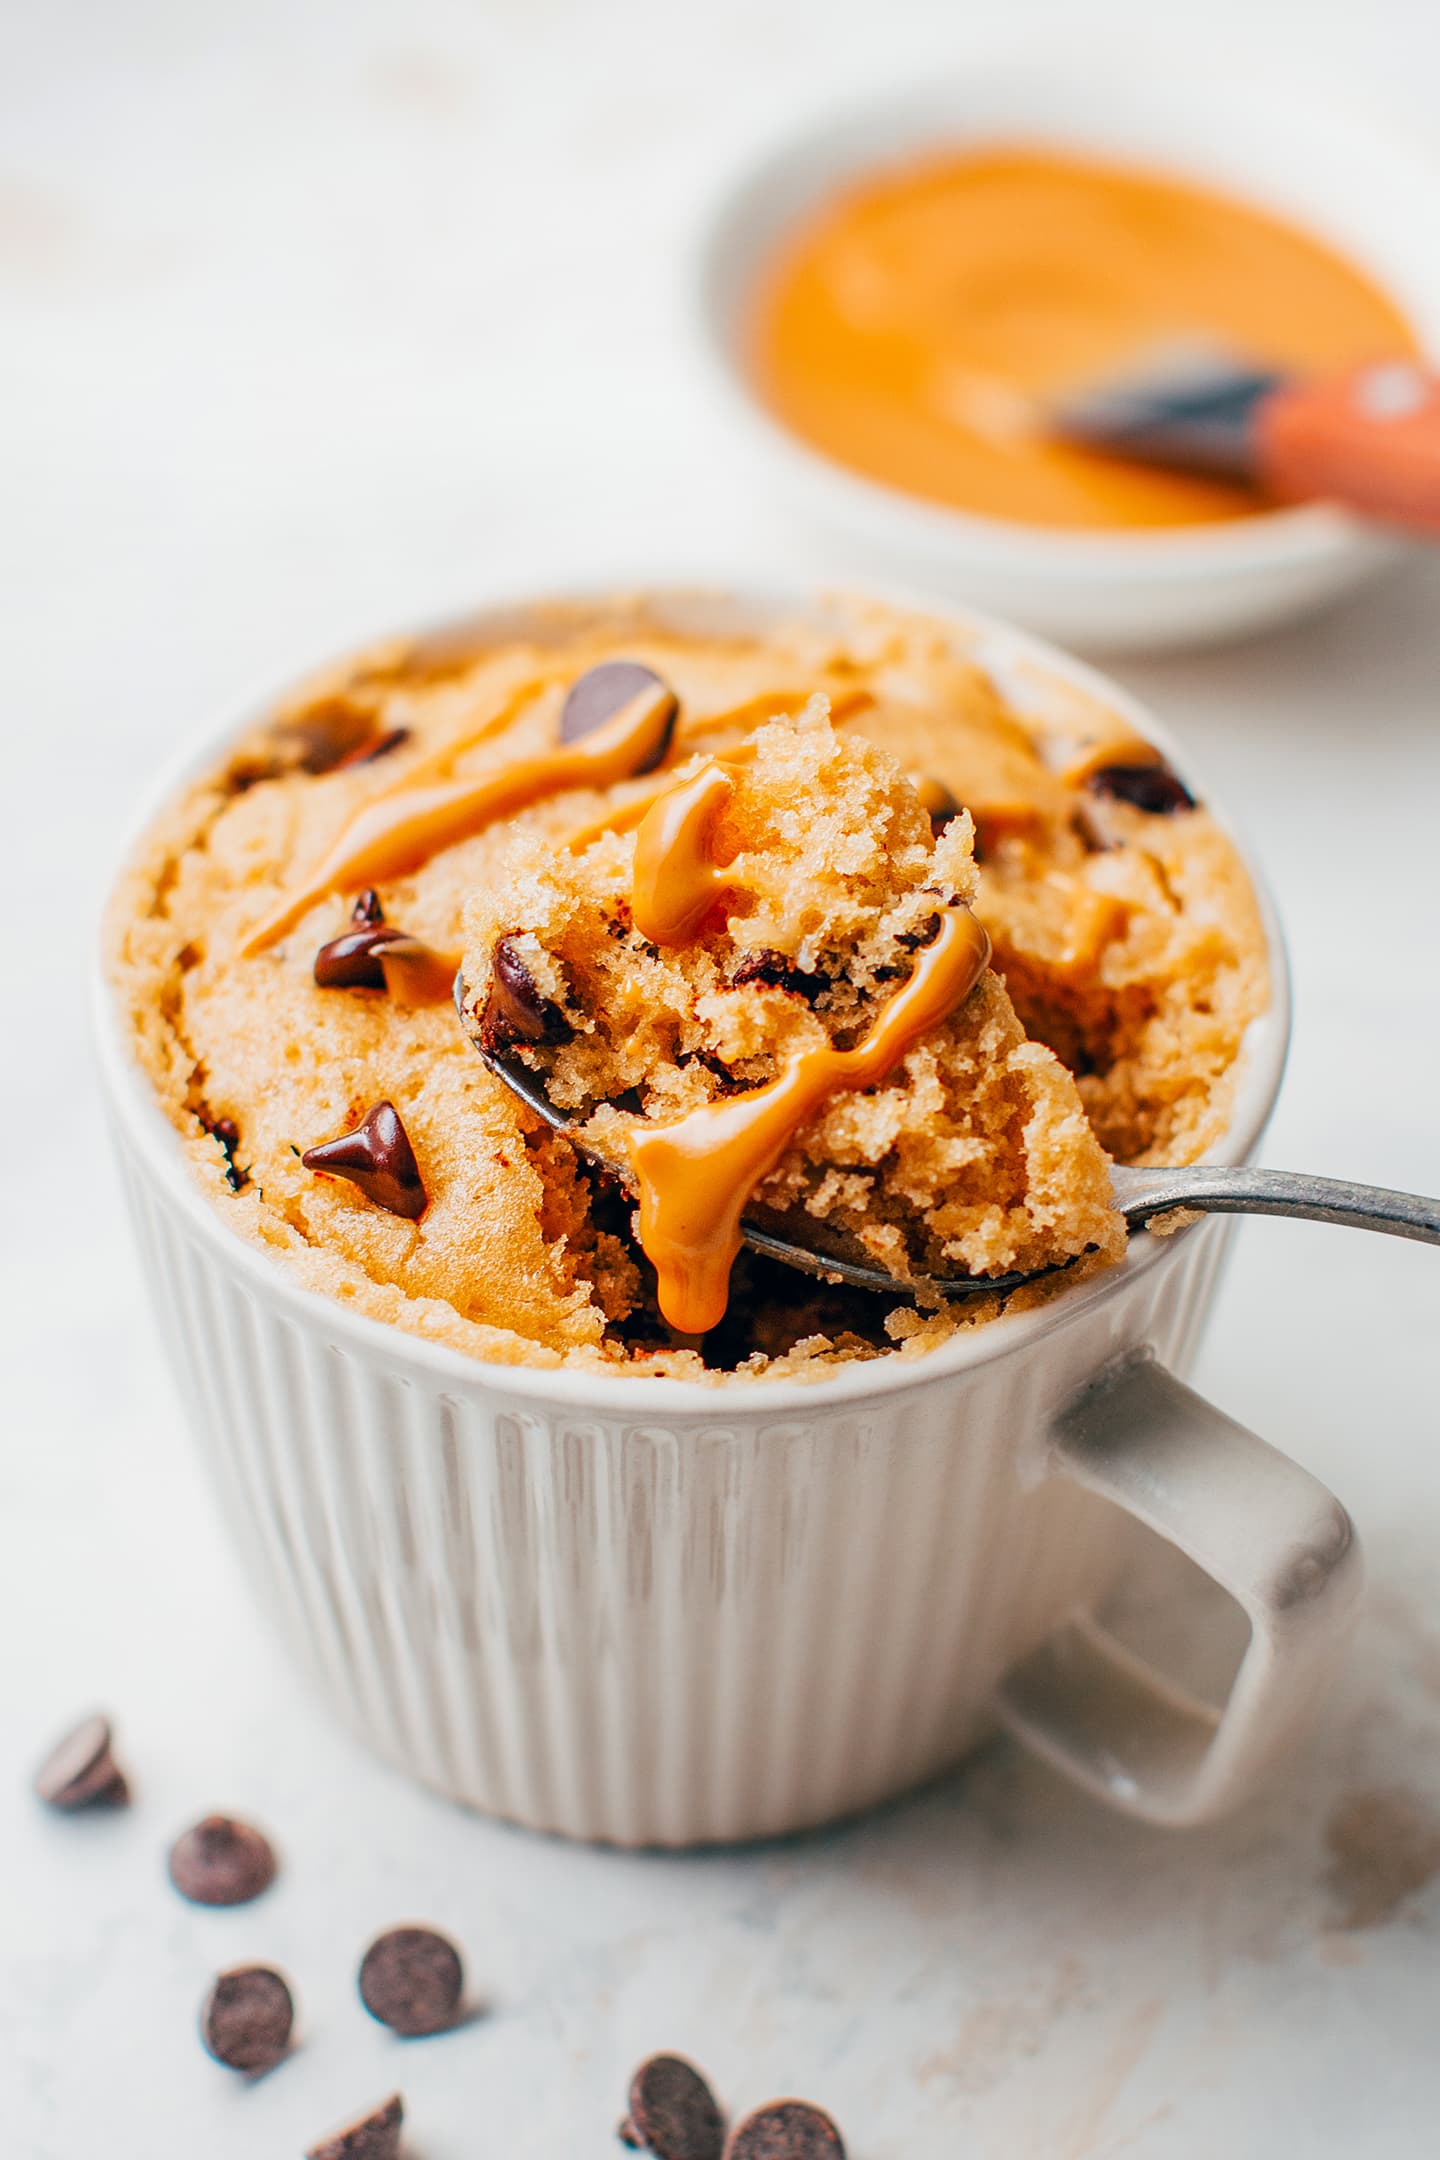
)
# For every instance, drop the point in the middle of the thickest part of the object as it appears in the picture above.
(891, 300)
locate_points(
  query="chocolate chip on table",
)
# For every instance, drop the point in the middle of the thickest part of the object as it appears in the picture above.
(1152, 787)
(247, 2018)
(378, 1158)
(411, 1979)
(222, 1862)
(768, 966)
(81, 1771)
(786, 2130)
(603, 691)
(673, 2112)
(374, 2136)
(515, 1008)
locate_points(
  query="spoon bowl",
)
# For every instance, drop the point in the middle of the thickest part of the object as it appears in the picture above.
(1139, 1194)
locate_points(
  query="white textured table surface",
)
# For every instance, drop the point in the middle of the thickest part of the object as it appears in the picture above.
(315, 317)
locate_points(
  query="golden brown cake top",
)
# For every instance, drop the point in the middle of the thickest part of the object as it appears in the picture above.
(1125, 936)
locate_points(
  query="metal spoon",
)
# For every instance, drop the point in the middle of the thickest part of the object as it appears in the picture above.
(1138, 1195)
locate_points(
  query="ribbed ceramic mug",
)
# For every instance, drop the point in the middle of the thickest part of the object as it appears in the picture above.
(657, 1612)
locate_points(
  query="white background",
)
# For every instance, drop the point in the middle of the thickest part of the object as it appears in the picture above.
(315, 317)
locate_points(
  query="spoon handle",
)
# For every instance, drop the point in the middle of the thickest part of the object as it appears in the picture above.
(1141, 1193)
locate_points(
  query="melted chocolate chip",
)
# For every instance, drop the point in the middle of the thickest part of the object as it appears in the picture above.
(81, 1771)
(378, 1158)
(924, 933)
(1154, 788)
(515, 1009)
(768, 966)
(673, 2112)
(222, 1862)
(367, 908)
(370, 753)
(244, 773)
(374, 2136)
(719, 1070)
(352, 960)
(247, 2018)
(786, 2130)
(601, 692)
(326, 734)
(227, 1133)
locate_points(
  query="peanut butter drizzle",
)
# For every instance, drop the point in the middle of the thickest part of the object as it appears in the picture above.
(634, 812)
(437, 765)
(623, 820)
(417, 975)
(844, 700)
(1117, 750)
(398, 830)
(696, 1173)
(935, 797)
(676, 878)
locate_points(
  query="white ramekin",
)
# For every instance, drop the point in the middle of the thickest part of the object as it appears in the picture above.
(655, 1612)
(1343, 175)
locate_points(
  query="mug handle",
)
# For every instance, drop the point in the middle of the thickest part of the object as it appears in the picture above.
(1263, 1529)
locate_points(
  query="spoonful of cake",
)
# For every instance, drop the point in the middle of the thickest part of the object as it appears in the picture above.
(766, 1012)
(764, 1005)
(1139, 1195)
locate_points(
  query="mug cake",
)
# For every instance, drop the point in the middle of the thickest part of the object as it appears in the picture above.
(805, 923)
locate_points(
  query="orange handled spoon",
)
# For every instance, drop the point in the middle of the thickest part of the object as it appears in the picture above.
(1368, 439)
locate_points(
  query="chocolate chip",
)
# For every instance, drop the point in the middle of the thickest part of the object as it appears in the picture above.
(378, 1158)
(222, 1862)
(786, 2130)
(375, 2136)
(326, 733)
(924, 933)
(673, 2112)
(352, 960)
(244, 773)
(81, 1771)
(768, 966)
(603, 691)
(411, 1979)
(247, 2018)
(515, 1010)
(369, 753)
(375, 955)
(227, 1133)
(1148, 787)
